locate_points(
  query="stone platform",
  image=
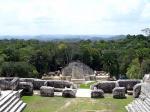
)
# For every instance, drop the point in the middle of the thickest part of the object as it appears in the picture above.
(141, 104)
(10, 101)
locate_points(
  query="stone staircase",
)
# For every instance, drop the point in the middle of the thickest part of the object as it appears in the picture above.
(139, 105)
(10, 102)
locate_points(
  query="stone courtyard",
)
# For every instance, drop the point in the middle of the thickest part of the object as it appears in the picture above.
(13, 88)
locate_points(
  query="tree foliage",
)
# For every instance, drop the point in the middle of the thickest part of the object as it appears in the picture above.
(18, 69)
(123, 56)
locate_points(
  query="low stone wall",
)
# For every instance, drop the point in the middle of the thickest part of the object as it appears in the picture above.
(59, 85)
(106, 86)
(38, 83)
(27, 88)
(9, 83)
(27, 80)
(128, 84)
(145, 88)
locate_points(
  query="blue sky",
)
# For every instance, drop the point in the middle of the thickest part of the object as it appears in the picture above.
(35, 17)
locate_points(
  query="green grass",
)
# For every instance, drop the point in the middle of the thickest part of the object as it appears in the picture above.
(60, 104)
(86, 86)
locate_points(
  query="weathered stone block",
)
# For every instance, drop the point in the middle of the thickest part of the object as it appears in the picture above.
(119, 92)
(27, 80)
(106, 86)
(69, 93)
(38, 83)
(128, 84)
(97, 93)
(137, 90)
(9, 83)
(27, 88)
(47, 91)
(59, 85)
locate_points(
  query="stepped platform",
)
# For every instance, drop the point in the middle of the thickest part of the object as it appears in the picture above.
(10, 101)
(141, 104)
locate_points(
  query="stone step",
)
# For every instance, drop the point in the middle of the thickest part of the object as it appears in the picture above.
(16, 107)
(137, 107)
(141, 106)
(147, 102)
(134, 107)
(8, 97)
(11, 105)
(131, 108)
(21, 107)
(4, 94)
(7, 104)
(147, 106)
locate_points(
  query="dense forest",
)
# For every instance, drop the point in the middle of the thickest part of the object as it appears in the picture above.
(33, 58)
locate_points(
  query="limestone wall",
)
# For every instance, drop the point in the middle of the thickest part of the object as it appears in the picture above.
(145, 89)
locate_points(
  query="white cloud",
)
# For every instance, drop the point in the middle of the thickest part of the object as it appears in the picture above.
(73, 16)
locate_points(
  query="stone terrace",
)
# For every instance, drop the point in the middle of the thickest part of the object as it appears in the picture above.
(142, 104)
(10, 101)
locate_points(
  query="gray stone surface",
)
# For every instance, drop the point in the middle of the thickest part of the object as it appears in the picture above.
(106, 86)
(9, 83)
(69, 93)
(145, 89)
(27, 80)
(99, 93)
(38, 83)
(119, 92)
(77, 70)
(137, 90)
(142, 103)
(128, 84)
(47, 91)
(10, 102)
(92, 77)
(27, 88)
(59, 85)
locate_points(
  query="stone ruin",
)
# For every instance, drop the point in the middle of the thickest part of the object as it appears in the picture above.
(77, 72)
(9, 95)
(141, 90)
(12, 88)
(142, 103)
(119, 92)
(30, 84)
(9, 83)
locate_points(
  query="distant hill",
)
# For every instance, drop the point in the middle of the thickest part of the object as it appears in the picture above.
(65, 37)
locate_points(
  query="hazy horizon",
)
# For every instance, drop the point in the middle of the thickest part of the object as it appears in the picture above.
(73, 17)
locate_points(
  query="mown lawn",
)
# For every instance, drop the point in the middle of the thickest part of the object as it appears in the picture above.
(60, 104)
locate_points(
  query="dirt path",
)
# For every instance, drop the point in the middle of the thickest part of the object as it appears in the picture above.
(83, 93)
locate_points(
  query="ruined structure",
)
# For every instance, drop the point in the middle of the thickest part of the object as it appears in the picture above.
(12, 88)
(10, 101)
(119, 92)
(142, 104)
(77, 72)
